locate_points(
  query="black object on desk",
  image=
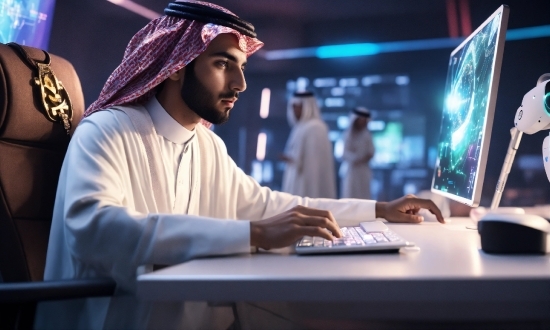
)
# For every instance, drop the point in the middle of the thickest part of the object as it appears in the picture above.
(513, 233)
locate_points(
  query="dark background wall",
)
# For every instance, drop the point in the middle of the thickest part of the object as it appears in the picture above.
(93, 34)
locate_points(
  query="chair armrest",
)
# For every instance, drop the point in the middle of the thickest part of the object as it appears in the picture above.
(56, 290)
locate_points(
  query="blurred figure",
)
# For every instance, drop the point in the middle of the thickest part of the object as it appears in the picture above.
(309, 168)
(358, 151)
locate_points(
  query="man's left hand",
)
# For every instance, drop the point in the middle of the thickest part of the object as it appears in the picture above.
(405, 209)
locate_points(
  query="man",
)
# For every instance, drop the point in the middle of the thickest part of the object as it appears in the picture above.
(309, 170)
(358, 151)
(144, 183)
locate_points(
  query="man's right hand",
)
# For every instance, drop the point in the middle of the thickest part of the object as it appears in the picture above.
(288, 227)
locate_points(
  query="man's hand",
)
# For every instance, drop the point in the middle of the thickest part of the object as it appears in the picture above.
(288, 227)
(405, 209)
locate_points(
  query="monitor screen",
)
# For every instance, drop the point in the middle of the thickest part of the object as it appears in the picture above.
(26, 22)
(468, 110)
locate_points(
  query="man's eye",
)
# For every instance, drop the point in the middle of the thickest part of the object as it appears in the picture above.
(223, 64)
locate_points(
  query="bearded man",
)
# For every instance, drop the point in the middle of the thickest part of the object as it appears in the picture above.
(145, 182)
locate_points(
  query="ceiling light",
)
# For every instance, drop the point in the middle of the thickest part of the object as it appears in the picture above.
(136, 8)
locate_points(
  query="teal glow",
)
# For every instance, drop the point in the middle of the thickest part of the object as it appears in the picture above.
(347, 50)
(529, 33)
(410, 45)
(290, 53)
(547, 102)
(365, 49)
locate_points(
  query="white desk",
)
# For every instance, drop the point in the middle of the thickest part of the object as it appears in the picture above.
(450, 278)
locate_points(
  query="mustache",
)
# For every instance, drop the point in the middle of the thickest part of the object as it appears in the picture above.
(229, 95)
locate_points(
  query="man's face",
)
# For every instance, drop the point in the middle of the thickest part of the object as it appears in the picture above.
(297, 107)
(213, 81)
(360, 123)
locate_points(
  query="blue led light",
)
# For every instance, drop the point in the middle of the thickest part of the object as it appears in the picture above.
(282, 54)
(529, 33)
(410, 45)
(547, 102)
(347, 50)
(365, 49)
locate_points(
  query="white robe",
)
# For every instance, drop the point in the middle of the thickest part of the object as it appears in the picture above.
(112, 218)
(311, 172)
(358, 150)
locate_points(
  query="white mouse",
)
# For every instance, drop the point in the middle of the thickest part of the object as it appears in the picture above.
(513, 233)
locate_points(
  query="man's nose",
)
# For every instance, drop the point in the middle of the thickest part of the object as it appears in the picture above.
(238, 81)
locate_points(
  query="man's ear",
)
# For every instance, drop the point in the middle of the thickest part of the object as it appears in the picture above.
(176, 76)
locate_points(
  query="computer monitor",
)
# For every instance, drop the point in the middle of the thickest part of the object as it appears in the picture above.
(469, 106)
(27, 22)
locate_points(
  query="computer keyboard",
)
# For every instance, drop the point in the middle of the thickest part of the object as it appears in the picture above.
(373, 235)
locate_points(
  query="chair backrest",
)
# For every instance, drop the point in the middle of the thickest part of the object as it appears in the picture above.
(32, 148)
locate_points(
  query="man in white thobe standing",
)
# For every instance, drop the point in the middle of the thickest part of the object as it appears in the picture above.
(145, 182)
(358, 151)
(309, 170)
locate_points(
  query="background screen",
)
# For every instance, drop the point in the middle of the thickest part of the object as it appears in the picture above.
(463, 125)
(27, 22)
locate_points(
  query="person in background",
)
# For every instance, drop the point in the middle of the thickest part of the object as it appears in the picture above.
(309, 170)
(358, 151)
(145, 183)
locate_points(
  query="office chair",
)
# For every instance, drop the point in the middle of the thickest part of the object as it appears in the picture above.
(37, 116)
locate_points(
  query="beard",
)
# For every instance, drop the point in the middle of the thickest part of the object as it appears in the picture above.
(203, 102)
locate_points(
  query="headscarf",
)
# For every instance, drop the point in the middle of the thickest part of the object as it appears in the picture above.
(361, 112)
(167, 44)
(355, 113)
(310, 108)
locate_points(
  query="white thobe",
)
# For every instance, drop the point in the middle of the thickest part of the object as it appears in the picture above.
(176, 145)
(113, 218)
(311, 169)
(358, 150)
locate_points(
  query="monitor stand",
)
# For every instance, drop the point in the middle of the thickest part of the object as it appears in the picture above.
(510, 155)
(515, 139)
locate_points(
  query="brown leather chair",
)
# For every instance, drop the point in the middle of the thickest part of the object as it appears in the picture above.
(37, 117)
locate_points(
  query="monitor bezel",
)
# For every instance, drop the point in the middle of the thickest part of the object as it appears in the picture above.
(488, 125)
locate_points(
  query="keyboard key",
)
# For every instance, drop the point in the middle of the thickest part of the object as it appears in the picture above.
(391, 236)
(379, 237)
(338, 242)
(356, 236)
(306, 241)
(348, 241)
(368, 239)
(318, 241)
(345, 232)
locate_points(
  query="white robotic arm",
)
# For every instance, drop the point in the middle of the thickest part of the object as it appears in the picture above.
(532, 116)
(501, 230)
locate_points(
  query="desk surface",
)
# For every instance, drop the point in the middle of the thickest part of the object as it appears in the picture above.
(449, 266)
(450, 278)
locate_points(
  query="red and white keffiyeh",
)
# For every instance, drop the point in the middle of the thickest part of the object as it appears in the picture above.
(161, 48)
